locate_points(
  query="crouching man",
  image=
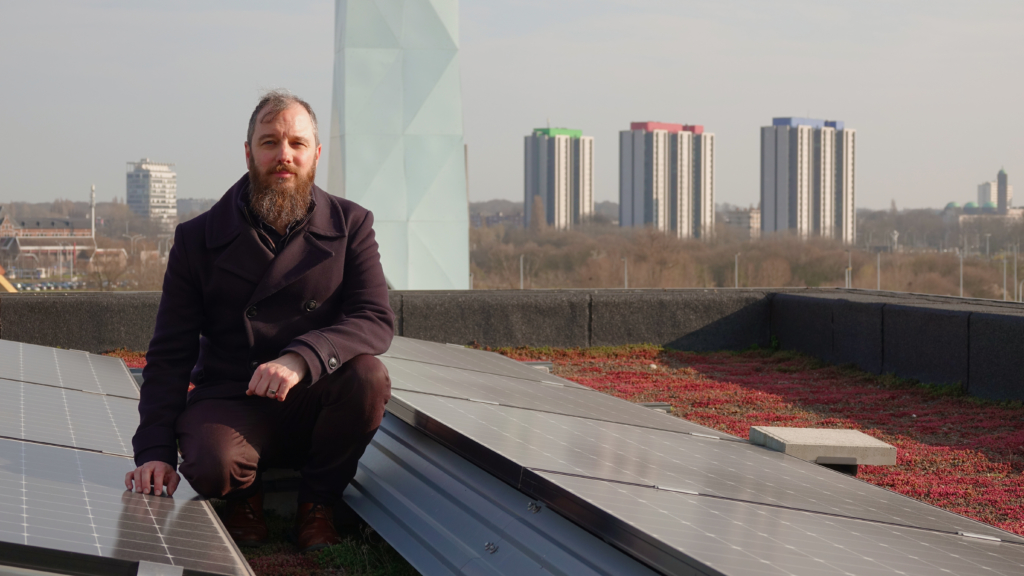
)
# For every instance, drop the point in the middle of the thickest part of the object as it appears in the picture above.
(274, 305)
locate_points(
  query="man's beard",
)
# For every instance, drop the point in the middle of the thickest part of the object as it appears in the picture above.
(280, 203)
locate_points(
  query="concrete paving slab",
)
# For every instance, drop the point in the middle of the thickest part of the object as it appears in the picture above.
(825, 446)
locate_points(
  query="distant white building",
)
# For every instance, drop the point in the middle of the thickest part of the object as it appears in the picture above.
(988, 192)
(808, 178)
(152, 191)
(745, 223)
(667, 178)
(559, 172)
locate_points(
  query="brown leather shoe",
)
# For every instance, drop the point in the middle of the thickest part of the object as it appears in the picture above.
(245, 522)
(314, 527)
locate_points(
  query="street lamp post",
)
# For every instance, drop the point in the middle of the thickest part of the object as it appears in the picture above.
(987, 236)
(961, 273)
(878, 276)
(737, 270)
(520, 271)
(625, 273)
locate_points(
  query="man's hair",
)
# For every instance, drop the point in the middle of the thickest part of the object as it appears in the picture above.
(275, 102)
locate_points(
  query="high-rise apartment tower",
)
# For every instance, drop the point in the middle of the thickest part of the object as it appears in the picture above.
(808, 178)
(1004, 192)
(153, 191)
(559, 173)
(667, 178)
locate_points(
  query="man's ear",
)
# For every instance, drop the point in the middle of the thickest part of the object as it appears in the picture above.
(318, 148)
(248, 153)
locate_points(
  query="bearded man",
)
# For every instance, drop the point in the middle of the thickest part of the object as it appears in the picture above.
(274, 305)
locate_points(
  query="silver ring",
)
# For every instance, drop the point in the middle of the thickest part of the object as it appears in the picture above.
(272, 393)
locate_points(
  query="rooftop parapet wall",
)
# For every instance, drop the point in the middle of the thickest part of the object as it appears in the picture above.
(978, 344)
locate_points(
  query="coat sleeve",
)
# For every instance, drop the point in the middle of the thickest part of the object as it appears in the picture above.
(172, 355)
(366, 323)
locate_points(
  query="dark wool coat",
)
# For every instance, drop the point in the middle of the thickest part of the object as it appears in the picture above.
(229, 304)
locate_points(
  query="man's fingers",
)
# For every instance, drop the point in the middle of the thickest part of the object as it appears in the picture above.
(173, 484)
(282, 391)
(147, 479)
(260, 389)
(256, 375)
(137, 477)
(158, 480)
(128, 479)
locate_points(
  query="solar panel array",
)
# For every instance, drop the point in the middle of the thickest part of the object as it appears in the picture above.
(66, 424)
(675, 497)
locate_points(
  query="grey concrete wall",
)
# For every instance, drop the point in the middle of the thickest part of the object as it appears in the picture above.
(976, 344)
(89, 321)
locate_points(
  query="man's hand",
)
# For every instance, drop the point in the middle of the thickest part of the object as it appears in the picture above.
(274, 379)
(153, 475)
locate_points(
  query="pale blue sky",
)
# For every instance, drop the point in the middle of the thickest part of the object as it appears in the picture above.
(933, 88)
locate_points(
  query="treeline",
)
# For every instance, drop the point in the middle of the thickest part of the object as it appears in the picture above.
(597, 256)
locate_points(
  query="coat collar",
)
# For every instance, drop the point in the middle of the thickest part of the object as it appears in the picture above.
(225, 221)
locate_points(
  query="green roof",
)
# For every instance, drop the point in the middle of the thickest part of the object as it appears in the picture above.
(1001, 171)
(559, 132)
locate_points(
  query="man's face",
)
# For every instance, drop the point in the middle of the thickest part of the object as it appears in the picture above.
(282, 161)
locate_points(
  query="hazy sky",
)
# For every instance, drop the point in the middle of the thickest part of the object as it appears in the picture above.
(933, 88)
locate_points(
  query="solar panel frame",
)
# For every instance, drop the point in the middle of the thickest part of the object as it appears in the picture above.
(506, 441)
(455, 356)
(686, 532)
(532, 395)
(71, 369)
(63, 500)
(66, 417)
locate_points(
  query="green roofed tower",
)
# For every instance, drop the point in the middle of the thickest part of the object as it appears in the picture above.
(559, 178)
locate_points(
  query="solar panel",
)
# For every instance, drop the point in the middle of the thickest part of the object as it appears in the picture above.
(69, 500)
(531, 395)
(681, 531)
(67, 417)
(505, 440)
(469, 359)
(65, 369)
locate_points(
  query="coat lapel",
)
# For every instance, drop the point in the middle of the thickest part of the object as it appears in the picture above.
(247, 257)
(326, 225)
(298, 257)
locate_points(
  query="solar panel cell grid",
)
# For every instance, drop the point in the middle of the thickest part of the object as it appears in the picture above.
(469, 359)
(624, 453)
(66, 500)
(738, 538)
(67, 417)
(65, 369)
(531, 395)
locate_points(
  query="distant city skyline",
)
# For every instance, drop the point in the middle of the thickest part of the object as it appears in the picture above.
(883, 67)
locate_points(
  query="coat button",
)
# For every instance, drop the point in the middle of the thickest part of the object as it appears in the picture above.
(332, 363)
(251, 312)
(310, 305)
(254, 365)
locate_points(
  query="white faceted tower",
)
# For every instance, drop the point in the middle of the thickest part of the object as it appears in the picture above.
(396, 135)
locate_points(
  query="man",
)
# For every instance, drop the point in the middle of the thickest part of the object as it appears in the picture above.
(274, 305)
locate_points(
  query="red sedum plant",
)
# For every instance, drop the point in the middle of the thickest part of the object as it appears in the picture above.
(954, 451)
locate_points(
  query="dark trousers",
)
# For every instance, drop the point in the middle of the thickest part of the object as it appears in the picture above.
(321, 430)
